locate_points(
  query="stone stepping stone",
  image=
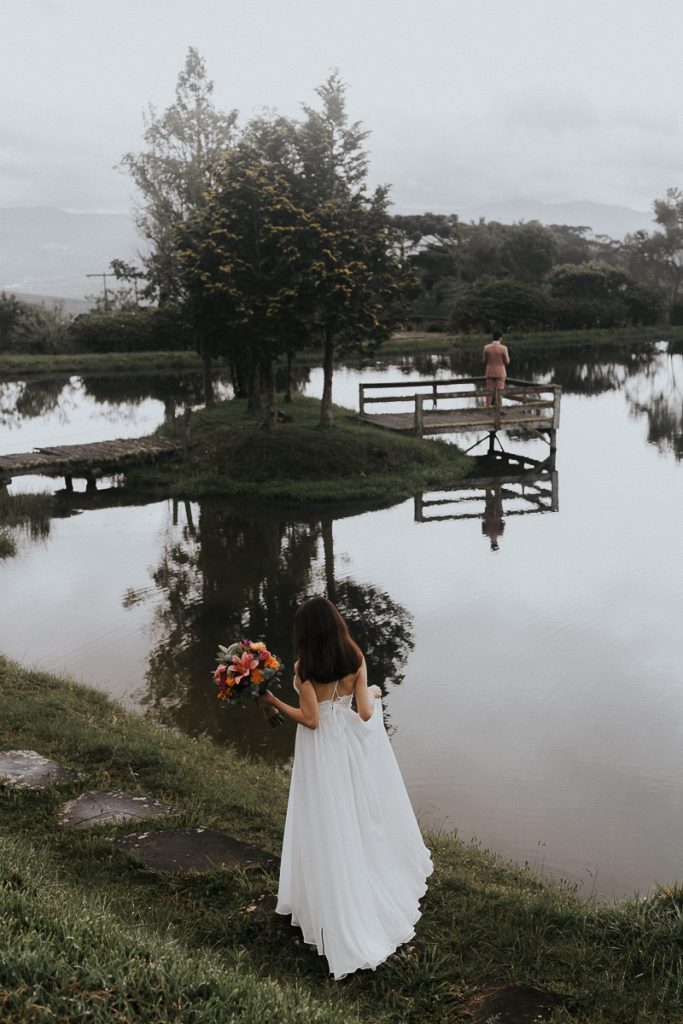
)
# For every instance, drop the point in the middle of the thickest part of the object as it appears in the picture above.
(27, 769)
(517, 1004)
(91, 809)
(194, 849)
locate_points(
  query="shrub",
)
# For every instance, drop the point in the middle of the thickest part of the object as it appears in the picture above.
(131, 330)
(502, 302)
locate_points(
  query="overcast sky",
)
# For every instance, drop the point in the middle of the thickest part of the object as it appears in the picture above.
(467, 101)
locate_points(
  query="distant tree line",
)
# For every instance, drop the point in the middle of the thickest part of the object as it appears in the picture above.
(265, 240)
(527, 276)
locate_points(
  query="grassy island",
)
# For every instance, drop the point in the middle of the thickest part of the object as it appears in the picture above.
(87, 934)
(229, 453)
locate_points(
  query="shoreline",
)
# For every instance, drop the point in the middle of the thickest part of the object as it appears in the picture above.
(76, 909)
(400, 345)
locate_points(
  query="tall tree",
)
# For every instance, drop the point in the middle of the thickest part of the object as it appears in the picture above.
(183, 145)
(656, 258)
(248, 263)
(360, 274)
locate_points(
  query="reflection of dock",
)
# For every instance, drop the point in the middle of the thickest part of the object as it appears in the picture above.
(458, 406)
(89, 461)
(503, 492)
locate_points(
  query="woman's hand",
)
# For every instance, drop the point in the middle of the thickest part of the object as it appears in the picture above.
(267, 700)
(375, 692)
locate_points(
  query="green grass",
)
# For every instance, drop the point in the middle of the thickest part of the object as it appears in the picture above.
(230, 454)
(12, 365)
(399, 345)
(28, 513)
(86, 935)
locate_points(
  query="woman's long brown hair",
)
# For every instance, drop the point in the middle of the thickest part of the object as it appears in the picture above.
(323, 645)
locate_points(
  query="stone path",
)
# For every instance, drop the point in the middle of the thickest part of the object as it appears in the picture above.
(194, 849)
(27, 769)
(516, 1004)
(91, 809)
(174, 850)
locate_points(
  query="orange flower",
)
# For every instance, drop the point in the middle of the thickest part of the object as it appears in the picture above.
(272, 663)
(257, 675)
(258, 646)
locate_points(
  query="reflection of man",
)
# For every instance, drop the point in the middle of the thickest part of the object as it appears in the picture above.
(492, 524)
(496, 358)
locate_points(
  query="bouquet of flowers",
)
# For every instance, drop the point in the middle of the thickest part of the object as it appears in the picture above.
(247, 670)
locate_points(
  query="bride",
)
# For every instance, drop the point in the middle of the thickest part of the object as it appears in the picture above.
(354, 865)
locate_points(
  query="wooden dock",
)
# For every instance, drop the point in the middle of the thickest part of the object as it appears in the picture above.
(458, 405)
(88, 461)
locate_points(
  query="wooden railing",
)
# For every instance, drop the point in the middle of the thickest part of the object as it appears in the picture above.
(518, 393)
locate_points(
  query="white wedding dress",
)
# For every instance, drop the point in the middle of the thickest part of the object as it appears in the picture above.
(354, 865)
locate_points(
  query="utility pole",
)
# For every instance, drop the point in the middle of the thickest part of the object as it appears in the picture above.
(104, 286)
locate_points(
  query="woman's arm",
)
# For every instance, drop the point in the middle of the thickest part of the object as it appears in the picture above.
(365, 696)
(308, 712)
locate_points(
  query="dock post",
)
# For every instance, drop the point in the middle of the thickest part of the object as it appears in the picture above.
(557, 391)
(361, 400)
(68, 482)
(497, 400)
(419, 415)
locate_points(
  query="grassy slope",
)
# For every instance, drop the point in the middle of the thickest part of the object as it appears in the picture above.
(229, 453)
(86, 935)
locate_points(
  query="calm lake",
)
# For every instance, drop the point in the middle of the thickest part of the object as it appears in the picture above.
(532, 668)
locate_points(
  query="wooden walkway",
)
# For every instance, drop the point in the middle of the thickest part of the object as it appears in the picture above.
(89, 461)
(458, 406)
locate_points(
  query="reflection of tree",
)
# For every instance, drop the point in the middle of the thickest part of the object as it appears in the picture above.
(380, 627)
(26, 400)
(578, 369)
(658, 395)
(240, 575)
(664, 424)
(181, 388)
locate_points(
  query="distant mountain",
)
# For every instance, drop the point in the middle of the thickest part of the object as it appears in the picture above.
(615, 221)
(48, 252)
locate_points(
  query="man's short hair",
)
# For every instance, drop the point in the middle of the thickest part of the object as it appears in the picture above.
(497, 334)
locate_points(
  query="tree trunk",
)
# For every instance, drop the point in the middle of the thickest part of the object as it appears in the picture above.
(328, 550)
(326, 419)
(270, 420)
(254, 404)
(239, 372)
(207, 375)
(288, 380)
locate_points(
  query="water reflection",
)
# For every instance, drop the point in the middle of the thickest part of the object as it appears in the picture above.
(75, 410)
(575, 368)
(555, 717)
(503, 483)
(26, 400)
(231, 574)
(657, 394)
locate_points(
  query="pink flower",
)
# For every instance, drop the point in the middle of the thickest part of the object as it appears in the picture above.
(241, 667)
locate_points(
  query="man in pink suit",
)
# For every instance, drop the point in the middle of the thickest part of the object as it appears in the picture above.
(496, 358)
